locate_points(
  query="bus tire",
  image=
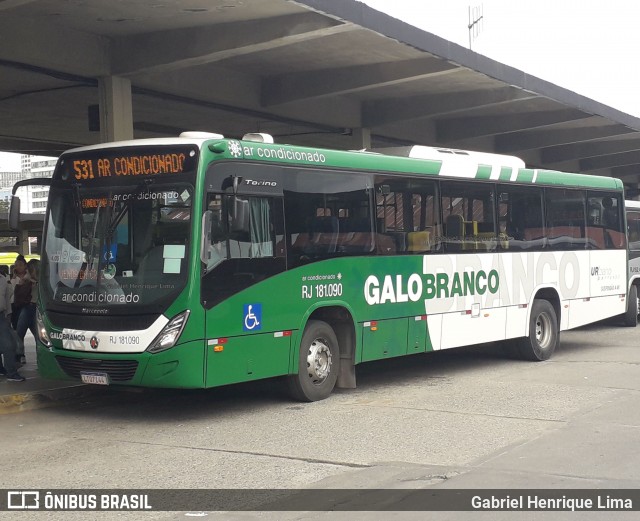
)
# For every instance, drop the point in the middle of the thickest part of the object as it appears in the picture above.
(317, 365)
(630, 317)
(544, 333)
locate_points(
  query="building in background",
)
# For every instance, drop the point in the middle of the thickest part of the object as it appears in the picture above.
(34, 198)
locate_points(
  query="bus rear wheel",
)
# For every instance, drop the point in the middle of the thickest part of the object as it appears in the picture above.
(543, 333)
(630, 318)
(317, 365)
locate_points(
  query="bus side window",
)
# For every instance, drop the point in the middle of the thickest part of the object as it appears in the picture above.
(604, 221)
(520, 210)
(407, 216)
(633, 226)
(566, 218)
(327, 215)
(469, 216)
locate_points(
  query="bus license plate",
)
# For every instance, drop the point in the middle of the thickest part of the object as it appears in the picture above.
(95, 378)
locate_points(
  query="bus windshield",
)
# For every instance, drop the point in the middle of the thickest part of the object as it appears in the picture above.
(107, 249)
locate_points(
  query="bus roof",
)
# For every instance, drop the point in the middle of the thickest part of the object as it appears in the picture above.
(448, 154)
(420, 160)
(195, 138)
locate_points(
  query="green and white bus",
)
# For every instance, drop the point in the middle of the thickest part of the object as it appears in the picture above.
(633, 237)
(202, 261)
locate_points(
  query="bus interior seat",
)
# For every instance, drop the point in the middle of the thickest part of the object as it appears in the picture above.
(455, 226)
(323, 235)
(596, 237)
(419, 241)
(400, 239)
(454, 229)
(615, 238)
(385, 244)
(485, 227)
(357, 236)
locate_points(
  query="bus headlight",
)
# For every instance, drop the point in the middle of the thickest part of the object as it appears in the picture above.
(170, 333)
(43, 335)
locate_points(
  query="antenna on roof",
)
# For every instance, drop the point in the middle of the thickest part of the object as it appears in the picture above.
(476, 23)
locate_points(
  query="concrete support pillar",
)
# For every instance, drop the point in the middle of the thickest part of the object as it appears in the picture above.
(23, 242)
(116, 110)
(361, 138)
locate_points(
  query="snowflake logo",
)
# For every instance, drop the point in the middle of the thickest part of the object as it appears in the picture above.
(235, 148)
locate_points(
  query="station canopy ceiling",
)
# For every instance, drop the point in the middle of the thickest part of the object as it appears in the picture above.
(310, 72)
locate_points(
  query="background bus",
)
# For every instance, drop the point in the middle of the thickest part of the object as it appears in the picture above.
(203, 261)
(633, 233)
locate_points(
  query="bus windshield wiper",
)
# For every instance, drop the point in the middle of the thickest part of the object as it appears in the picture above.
(77, 206)
(92, 249)
(114, 220)
(113, 224)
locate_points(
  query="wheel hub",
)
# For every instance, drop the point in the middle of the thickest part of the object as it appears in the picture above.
(543, 328)
(318, 361)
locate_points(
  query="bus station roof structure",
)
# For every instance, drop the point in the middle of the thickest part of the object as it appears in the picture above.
(332, 73)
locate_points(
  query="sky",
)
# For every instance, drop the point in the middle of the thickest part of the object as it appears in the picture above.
(589, 46)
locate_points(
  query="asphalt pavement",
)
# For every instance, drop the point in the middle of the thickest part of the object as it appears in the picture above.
(460, 420)
(35, 392)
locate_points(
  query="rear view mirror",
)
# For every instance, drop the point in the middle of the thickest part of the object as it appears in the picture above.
(14, 213)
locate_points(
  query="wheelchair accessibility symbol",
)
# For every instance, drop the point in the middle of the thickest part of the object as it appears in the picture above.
(252, 317)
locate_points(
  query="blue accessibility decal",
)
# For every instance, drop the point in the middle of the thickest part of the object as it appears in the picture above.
(252, 317)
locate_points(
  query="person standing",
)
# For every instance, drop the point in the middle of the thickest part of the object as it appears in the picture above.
(22, 286)
(27, 318)
(7, 343)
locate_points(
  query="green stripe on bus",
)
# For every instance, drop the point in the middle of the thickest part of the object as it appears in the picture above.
(484, 172)
(505, 173)
(551, 177)
(525, 175)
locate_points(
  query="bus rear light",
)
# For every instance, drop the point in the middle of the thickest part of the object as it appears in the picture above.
(170, 333)
(218, 349)
(420, 317)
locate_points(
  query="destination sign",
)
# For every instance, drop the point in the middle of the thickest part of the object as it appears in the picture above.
(128, 162)
(95, 202)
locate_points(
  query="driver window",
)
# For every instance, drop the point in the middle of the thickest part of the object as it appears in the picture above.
(246, 244)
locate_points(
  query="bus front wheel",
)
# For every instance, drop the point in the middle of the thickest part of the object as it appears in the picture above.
(318, 363)
(543, 333)
(630, 318)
